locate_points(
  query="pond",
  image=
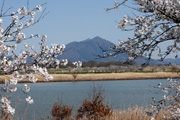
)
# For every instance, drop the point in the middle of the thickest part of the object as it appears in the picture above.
(118, 94)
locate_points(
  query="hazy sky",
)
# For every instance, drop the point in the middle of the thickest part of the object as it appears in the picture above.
(76, 20)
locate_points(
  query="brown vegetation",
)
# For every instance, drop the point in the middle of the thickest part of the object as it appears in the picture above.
(74, 75)
(94, 109)
(102, 76)
(135, 113)
(4, 115)
(60, 111)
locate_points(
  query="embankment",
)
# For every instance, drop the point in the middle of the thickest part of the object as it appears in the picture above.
(102, 76)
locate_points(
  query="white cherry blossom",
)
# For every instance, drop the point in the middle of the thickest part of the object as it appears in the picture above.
(26, 88)
(15, 63)
(29, 100)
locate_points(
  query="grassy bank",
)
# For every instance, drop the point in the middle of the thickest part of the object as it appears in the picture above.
(134, 113)
(102, 76)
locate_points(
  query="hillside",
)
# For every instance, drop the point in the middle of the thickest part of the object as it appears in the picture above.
(89, 49)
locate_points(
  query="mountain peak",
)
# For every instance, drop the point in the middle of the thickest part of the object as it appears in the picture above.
(89, 50)
(97, 37)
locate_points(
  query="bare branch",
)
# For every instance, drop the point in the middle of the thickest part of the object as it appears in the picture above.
(2, 7)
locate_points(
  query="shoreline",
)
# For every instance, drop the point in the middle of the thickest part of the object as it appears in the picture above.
(101, 77)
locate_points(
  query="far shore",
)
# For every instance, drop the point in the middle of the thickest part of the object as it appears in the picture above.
(101, 77)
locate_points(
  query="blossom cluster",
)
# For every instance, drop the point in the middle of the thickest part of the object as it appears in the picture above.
(6, 107)
(77, 64)
(17, 64)
(157, 22)
(170, 100)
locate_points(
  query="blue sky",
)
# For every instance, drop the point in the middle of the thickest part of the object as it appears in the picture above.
(76, 20)
(70, 20)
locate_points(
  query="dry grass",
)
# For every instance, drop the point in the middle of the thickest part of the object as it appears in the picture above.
(134, 113)
(102, 76)
(125, 76)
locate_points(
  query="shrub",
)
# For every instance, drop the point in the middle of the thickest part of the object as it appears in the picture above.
(60, 111)
(94, 108)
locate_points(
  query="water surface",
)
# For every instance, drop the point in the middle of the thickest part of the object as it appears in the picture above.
(118, 94)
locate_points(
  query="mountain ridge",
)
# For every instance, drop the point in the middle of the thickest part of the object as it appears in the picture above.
(88, 49)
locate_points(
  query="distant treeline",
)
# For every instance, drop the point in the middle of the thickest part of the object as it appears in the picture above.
(115, 67)
(94, 63)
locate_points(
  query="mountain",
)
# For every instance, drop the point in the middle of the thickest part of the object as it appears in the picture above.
(88, 50)
(171, 60)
